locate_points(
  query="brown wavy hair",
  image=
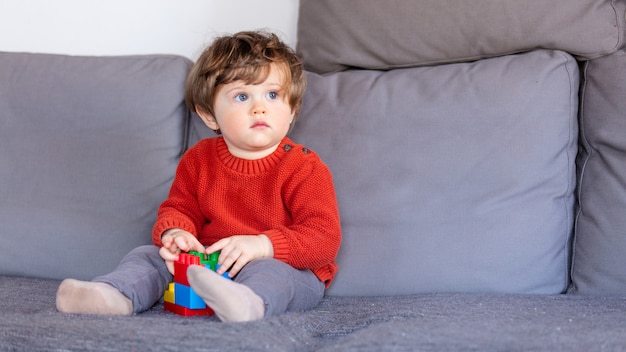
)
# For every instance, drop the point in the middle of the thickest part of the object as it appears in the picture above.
(245, 56)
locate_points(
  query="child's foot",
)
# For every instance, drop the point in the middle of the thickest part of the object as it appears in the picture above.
(87, 297)
(232, 302)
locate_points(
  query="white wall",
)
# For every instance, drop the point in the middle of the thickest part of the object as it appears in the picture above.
(126, 27)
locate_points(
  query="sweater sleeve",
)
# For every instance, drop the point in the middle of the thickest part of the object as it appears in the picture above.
(180, 209)
(312, 240)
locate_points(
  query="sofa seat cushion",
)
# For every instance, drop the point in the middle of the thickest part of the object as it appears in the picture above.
(335, 35)
(453, 178)
(88, 149)
(599, 262)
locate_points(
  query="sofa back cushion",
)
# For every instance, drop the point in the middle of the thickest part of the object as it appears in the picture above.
(453, 178)
(88, 149)
(599, 262)
(335, 35)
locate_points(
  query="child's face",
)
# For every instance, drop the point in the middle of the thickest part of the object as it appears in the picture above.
(253, 118)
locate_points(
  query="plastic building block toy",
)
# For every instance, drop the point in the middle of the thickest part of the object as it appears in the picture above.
(180, 310)
(168, 295)
(179, 298)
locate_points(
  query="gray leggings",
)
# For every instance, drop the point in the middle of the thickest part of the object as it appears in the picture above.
(143, 277)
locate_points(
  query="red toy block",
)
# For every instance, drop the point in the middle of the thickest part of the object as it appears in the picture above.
(189, 258)
(180, 310)
(181, 265)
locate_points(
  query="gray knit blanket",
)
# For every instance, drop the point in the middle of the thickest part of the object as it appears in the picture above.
(432, 322)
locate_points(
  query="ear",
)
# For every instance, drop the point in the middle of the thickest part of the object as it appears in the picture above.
(208, 119)
(293, 116)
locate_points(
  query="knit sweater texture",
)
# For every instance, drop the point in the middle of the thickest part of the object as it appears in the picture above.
(288, 196)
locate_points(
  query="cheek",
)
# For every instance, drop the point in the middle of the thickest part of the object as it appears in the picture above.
(232, 121)
(287, 111)
(232, 113)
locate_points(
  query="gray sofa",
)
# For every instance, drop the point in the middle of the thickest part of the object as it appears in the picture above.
(479, 157)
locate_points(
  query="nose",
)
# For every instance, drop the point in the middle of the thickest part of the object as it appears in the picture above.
(259, 108)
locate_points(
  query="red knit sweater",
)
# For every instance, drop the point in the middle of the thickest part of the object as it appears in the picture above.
(288, 196)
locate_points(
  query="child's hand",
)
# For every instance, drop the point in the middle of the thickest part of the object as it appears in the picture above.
(174, 241)
(238, 251)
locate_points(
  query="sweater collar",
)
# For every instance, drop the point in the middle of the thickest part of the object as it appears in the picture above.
(252, 167)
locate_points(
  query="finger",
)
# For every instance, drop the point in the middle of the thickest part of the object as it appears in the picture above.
(166, 240)
(217, 246)
(166, 254)
(197, 246)
(181, 242)
(228, 260)
(173, 248)
(239, 264)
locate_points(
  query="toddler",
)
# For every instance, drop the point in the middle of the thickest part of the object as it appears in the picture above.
(266, 203)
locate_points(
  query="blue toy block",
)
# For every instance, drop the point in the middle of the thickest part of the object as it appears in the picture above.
(186, 297)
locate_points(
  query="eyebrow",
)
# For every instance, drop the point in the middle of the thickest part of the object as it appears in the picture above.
(235, 87)
(241, 86)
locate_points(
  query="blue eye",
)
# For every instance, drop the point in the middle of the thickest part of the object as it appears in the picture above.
(272, 95)
(241, 97)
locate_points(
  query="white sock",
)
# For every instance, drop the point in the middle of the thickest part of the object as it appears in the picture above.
(231, 301)
(74, 296)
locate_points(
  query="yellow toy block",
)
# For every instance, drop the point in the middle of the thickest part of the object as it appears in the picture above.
(168, 295)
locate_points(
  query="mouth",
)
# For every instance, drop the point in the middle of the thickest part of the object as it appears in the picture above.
(260, 124)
